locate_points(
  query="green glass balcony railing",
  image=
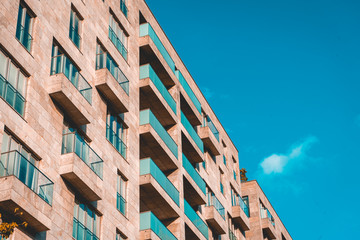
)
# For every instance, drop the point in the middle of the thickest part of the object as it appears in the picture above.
(236, 200)
(207, 122)
(75, 37)
(13, 163)
(147, 166)
(148, 221)
(232, 235)
(62, 64)
(214, 201)
(264, 212)
(124, 8)
(24, 36)
(121, 204)
(12, 96)
(118, 44)
(115, 141)
(194, 174)
(104, 60)
(189, 128)
(196, 220)
(147, 117)
(82, 232)
(74, 143)
(146, 71)
(147, 30)
(188, 90)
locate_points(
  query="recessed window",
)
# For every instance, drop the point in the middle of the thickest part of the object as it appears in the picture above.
(123, 7)
(118, 36)
(116, 132)
(121, 194)
(120, 236)
(86, 223)
(12, 84)
(75, 28)
(24, 27)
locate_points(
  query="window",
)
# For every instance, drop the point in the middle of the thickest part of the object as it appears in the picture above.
(74, 30)
(123, 7)
(221, 182)
(24, 27)
(116, 131)
(224, 159)
(121, 194)
(104, 60)
(86, 223)
(12, 84)
(61, 63)
(118, 36)
(234, 172)
(120, 236)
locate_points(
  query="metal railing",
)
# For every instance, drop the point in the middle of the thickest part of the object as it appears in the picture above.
(189, 128)
(13, 163)
(194, 174)
(115, 141)
(74, 143)
(149, 221)
(104, 60)
(196, 220)
(24, 37)
(12, 96)
(146, 71)
(147, 117)
(62, 64)
(118, 44)
(147, 166)
(212, 200)
(147, 30)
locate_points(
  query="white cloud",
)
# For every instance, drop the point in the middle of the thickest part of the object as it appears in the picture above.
(277, 163)
(208, 93)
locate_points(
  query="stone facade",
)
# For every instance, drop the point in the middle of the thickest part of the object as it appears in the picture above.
(156, 127)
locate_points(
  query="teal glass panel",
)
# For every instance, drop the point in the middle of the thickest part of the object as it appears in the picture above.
(14, 163)
(193, 174)
(207, 122)
(214, 201)
(115, 141)
(196, 220)
(12, 96)
(147, 30)
(124, 8)
(146, 71)
(149, 221)
(147, 117)
(147, 166)
(118, 44)
(74, 143)
(265, 213)
(121, 204)
(188, 90)
(189, 128)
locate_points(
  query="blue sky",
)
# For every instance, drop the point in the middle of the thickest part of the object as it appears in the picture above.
(283, 77)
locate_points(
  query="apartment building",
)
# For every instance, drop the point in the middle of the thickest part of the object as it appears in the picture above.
(104, 134)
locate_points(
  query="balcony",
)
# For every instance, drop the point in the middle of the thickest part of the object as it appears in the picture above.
(152, 228)
(197, 222)
(81, 167)
(157, 193)
(268, 223)
(118, 44)
(24, 186)
(190, 104)
(193, 146)
(214, 213)
(155, 95)
(114, 89)
(156, 143)
(210, 136)
(70, 90)
(240, 213)
(194, 185)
